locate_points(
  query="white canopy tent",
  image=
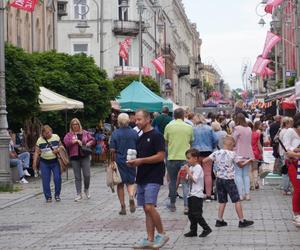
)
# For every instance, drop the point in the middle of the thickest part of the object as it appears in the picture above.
(51, 101)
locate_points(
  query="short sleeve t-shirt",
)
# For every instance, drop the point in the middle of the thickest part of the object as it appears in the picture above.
(149, 144)
(224, 161)
(46, 151)
(197, 184)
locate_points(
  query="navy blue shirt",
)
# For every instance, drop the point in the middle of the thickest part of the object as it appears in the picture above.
(149, 144)
(123, 139)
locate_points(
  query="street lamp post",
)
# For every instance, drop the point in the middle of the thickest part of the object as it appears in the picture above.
(5, 179)
(141, 7)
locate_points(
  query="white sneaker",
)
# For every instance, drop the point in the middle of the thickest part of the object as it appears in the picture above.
(296, 220)
(78, 197)
(26, 172)
(23, 181)
(87, 194)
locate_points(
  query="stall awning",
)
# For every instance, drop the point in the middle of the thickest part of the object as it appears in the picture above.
(281, 93)
(51, 101)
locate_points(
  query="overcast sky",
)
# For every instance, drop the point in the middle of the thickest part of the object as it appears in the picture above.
(230, 33)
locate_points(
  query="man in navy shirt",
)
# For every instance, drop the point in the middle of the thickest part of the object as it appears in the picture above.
(150, 175)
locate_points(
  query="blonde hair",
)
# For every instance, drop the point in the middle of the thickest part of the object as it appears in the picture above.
(229, 139)
(286, 120)
(77, 121)
(123, 120)
(239, 104)
(198, 119)
(216, 126)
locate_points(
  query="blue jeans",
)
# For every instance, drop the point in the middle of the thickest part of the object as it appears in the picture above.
(173, 167)
(22, 161)
(285, 182)
(242, 179)
(46, 168)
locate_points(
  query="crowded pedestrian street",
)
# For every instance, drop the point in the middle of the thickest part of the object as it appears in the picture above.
(30, 223)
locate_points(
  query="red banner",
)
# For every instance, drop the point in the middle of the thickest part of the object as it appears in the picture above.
(27, 5)
(124, 48)
(159, 64)
(271, 40)
(271, 4)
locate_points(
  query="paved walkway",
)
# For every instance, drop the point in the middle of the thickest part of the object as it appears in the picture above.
(31, 223)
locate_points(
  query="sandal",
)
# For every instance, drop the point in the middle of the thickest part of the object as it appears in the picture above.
(132, 205)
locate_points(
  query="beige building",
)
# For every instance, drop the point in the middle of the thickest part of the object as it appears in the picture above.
(34, 31)
(210, 75)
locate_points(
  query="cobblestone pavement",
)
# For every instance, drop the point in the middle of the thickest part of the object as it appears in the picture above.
(31, 223)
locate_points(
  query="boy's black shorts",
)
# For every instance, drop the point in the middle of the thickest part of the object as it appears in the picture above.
(227, 187)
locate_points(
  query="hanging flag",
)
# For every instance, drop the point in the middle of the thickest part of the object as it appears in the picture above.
(259, 60)
(159, 64)
(271, 40)
(271, 4)
(124, 48)
(267, 72)
(262, 67)
(27, 5)
(146, 71)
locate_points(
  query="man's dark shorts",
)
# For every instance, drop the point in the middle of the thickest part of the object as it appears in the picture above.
(225, 188)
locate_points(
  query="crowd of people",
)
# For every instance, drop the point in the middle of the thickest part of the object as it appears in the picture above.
(210, 158)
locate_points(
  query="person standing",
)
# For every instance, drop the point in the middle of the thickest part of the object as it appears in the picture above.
(224, 160)
(161, 121)
(122, 139)
(242, 135)
(150, 174)
(195, 196)
(47, 148)
(80, 160)
(205, 141)
(179, 137)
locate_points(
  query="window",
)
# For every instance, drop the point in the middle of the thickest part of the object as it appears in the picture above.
(123, 16)
(80, 48)
(80, 9)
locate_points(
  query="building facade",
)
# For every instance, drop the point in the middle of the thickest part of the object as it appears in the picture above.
(165, 31)
(34, 31)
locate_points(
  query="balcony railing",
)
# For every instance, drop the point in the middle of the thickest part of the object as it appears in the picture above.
(62, 8)
(183, 70)
(167, 51)
(127, 28)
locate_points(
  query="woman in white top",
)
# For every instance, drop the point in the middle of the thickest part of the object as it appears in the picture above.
(291, 141)
(287, 122)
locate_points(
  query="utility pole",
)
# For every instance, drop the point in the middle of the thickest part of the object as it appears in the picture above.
(101, 33)
(5, 178)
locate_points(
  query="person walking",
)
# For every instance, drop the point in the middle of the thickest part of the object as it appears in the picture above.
(46, 150)
(123, 139)
(179, 137)
(287, 122)
(195, 196)
(257, 152)
(291, 141)
(150, 174)
(161, 121)
(205, 141)
(242, 135)
(78, 143)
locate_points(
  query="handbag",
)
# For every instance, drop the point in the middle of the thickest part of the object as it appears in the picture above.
(113, 176)
(86, 151)
(61, 155)
(63, 158)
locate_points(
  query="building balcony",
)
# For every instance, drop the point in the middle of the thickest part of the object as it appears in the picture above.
(127, 28)
(196, 83)
(168, 52)
(183, 70)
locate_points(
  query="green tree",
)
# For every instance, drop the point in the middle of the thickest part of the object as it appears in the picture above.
(121, 83)
(76, 77)
(22, 86)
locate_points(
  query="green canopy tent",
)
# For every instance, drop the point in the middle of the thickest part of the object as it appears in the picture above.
(138, 96)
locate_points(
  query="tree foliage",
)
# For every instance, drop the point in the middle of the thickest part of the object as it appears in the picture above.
(79, 78)
(121, 83)
(76, 77)
(22, 86)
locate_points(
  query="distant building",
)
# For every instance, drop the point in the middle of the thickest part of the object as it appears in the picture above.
(34, 31)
